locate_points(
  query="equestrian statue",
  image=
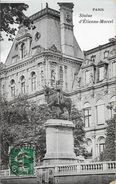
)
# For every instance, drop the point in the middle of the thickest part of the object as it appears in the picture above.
(55, 98)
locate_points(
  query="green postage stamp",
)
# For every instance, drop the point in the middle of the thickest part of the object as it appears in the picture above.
(21, 160)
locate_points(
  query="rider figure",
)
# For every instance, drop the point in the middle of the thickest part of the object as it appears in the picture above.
(59, 95)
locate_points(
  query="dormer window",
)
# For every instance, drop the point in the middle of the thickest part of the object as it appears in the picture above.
(23, 50)
(106, 53)
(93, 58)
(23, 45)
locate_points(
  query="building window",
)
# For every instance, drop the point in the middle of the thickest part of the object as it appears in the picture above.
(89, 148)
(101, 147)
(12, 88)
(42, 77)
(93, 58)
(53, 77)
(23, 50)
(66, 85)
(22, 84)
(101, 73)
(87, 115)
(61, 75)
(112, 106)
(87, 77)
(114, 69)
(100, 110)
(106, 53)
(101, 143)
(33, 81)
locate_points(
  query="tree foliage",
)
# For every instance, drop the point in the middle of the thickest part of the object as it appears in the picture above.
(23, 121)
(10, 14)
(109, 153)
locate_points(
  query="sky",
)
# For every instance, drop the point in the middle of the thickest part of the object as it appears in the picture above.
(88, 35)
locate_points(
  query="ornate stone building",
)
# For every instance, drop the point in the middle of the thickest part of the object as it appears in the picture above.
(94, 91)
(50, 53)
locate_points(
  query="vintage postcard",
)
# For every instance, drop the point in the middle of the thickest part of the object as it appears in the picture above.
(58, 92)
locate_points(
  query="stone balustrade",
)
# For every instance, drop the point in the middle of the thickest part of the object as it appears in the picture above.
(95, 167)
(76, 169)
(4, 172)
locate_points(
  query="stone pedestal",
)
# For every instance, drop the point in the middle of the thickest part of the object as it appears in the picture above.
(59, 142)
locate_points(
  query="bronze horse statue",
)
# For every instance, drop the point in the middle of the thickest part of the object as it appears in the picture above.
(55, 98)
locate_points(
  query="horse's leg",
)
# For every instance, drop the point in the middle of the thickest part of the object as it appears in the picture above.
(62, 110)
(51, 107)
(69, 110)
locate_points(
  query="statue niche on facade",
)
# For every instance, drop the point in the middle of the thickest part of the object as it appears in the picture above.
(55, 98)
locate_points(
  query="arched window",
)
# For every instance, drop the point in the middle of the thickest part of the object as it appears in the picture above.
(33, 81)
(42, 77)
(100, 112)
(22, 84)
(101, 144)
(112, 106)
(23, 50)
(61, 75)
(66, 85)
(87, 115)
(12, 82)
(53, 77)
(89, 148)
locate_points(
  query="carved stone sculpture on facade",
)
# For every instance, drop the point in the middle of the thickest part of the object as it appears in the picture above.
(91, 79)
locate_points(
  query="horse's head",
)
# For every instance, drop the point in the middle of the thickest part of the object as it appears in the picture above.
(47, 90)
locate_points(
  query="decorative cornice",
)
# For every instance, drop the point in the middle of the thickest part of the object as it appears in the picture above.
(20, 37)
(101, 63)
(89, 65)
(100, 47)
(97, 128)
(66, 5)
(47, 53)
(93, 87)
(46, 11)
(113, 57)
(67, 26)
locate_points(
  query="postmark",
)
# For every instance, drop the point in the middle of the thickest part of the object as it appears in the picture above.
(22, 159)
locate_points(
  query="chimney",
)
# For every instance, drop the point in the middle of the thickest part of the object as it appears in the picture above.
(66, 23)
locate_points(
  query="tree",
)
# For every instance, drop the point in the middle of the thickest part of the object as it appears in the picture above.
(24, 121)
(109, 153)
(10, 14)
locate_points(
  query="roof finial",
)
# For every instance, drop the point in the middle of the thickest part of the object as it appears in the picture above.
(46, 5)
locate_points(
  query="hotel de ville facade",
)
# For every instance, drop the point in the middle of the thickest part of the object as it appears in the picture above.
(50, 53)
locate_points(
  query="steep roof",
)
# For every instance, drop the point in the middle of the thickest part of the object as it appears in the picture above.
(46, 35)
